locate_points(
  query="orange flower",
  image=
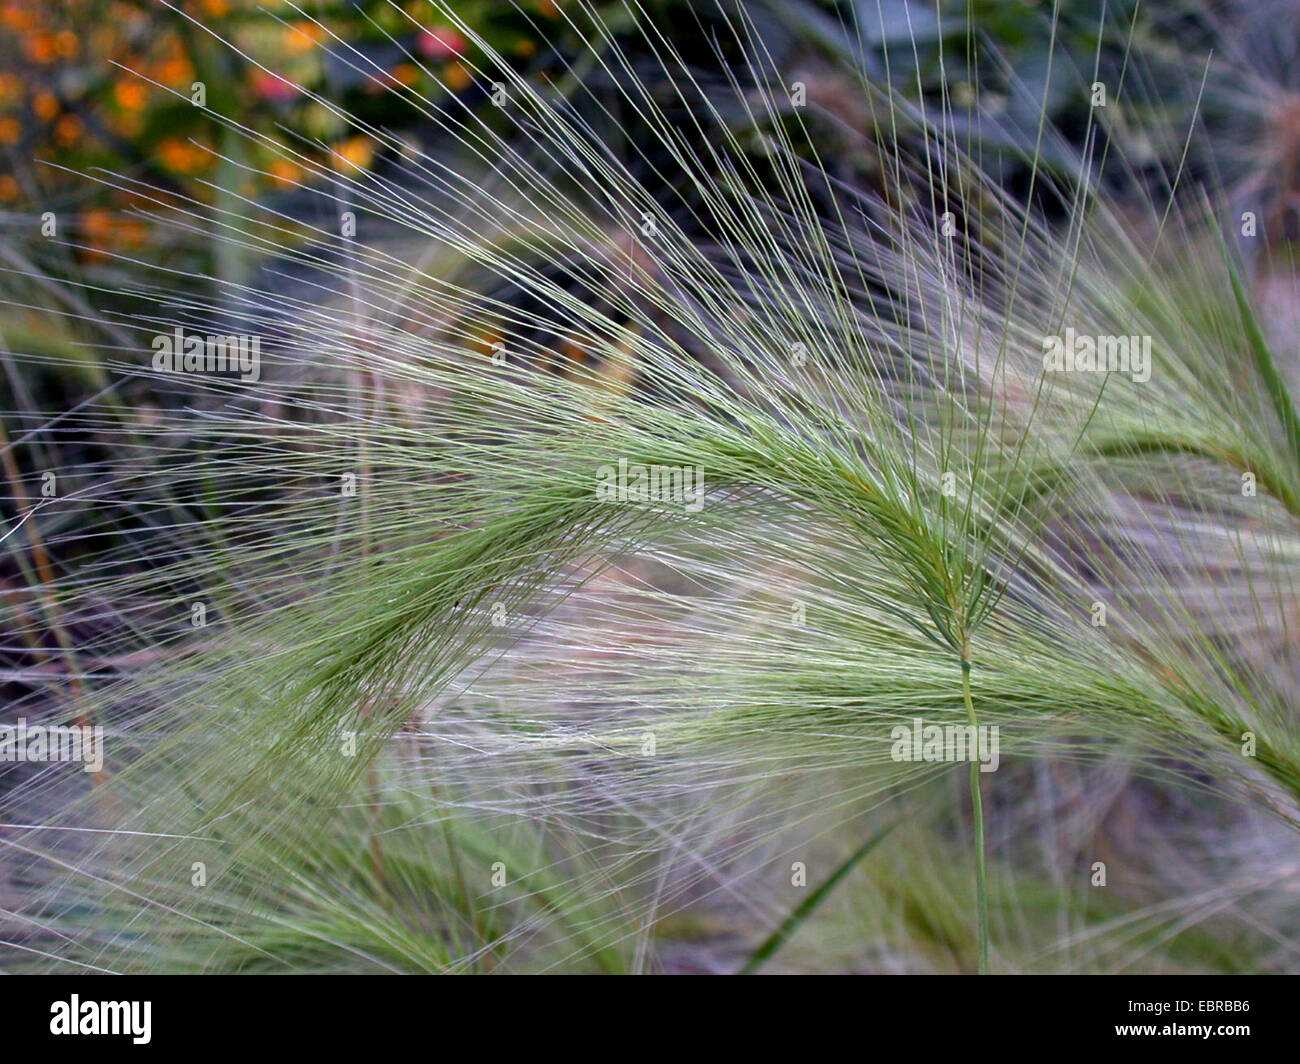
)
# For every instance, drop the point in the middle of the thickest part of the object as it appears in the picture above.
(456, 76)
(304, 36)
(68, 130)
(97, 226)
(284, 173)
(17, 18)
(355, 151)
(405, 73)
(46, 106)
(176, 71)
(10, 130)
(8, 188)
(132, 232)
(182, 157)
(130, 95)
(40, 48)
(68, 44)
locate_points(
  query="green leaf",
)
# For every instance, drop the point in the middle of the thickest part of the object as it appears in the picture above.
(811, 904)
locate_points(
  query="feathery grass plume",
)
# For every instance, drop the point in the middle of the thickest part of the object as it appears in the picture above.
(599, 511)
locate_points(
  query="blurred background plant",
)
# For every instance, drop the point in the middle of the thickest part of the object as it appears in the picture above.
(109, 87)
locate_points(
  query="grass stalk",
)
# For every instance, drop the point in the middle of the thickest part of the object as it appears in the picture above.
(977, 813)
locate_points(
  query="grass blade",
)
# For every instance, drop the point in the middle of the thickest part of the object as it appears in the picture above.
(811, 904)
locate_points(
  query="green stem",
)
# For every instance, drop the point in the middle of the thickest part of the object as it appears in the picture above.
(977, 808)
